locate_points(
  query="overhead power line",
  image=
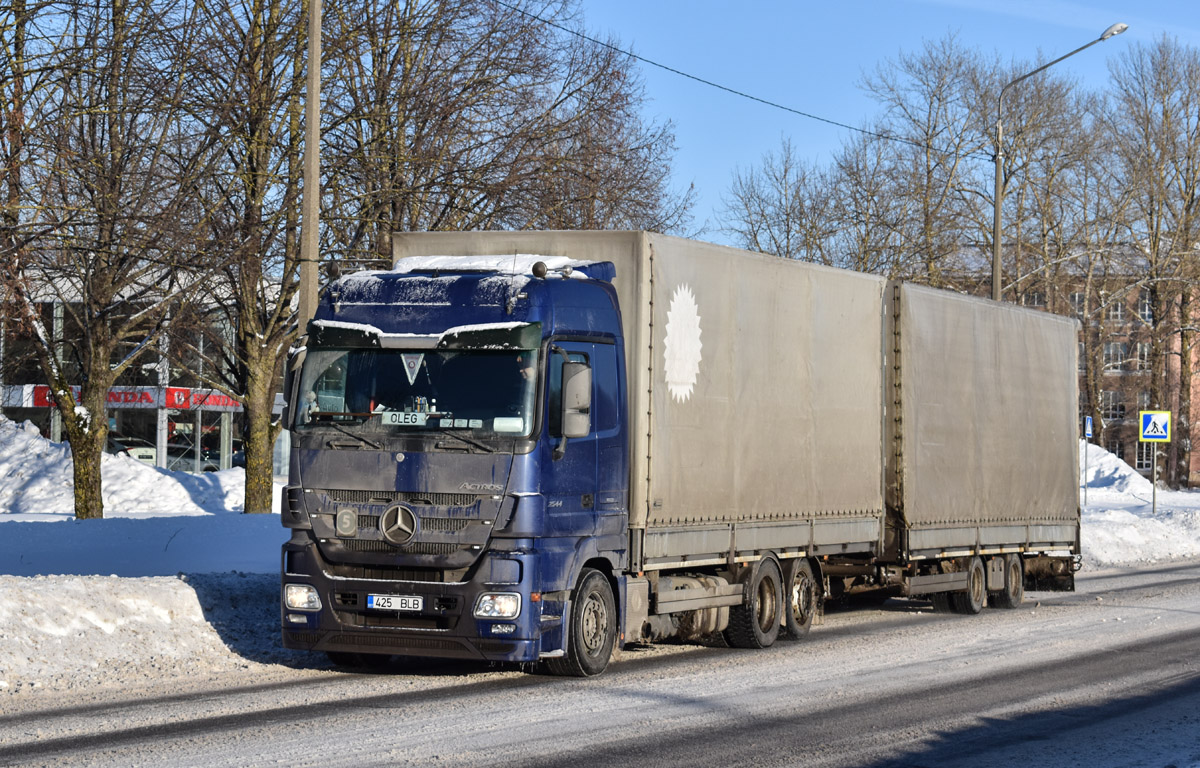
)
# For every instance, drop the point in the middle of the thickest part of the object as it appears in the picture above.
(734, 91)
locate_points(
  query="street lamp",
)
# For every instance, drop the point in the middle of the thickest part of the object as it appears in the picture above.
(1112, 31)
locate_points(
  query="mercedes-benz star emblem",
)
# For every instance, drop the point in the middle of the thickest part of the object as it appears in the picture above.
(398, 524)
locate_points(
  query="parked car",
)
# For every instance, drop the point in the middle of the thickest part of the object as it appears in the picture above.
(181, 458)
(142, 450)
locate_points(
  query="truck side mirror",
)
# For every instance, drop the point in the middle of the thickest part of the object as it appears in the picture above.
(576, 407)
(577, 400)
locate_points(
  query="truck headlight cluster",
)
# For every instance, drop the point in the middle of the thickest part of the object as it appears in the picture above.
(498, 605)
(301, 597)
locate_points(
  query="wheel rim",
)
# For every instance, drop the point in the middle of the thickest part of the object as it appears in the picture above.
(594, 625)
(802, 597)
(765, 608)
(978, 590)
(1015, 580)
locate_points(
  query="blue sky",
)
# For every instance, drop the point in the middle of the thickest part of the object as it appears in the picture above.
(811, 56)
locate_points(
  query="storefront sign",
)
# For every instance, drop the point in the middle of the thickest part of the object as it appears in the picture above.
(174, 398)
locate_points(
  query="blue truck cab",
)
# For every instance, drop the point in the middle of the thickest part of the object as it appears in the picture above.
(458, 484)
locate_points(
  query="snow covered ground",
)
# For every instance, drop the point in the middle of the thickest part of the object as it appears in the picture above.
(176, 582)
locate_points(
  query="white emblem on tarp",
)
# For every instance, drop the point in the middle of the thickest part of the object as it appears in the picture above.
(682, 344)
(412, 364)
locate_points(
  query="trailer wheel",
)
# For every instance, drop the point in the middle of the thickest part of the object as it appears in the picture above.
(1014, 584)
(971, 600)
(593, 629)
(801, 598)
(755, 623)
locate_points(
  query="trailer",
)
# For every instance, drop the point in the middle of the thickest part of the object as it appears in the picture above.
(540, 446)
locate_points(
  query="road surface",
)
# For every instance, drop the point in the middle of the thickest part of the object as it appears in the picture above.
(1106, 676)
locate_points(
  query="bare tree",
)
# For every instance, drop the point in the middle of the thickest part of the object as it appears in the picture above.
(247, 79)
(109, 225)
(782, 207)
(934, 132)
(1156, 117)
(467, 114)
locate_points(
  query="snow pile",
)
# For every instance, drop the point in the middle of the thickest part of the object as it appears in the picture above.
(1103, 471)
(1125, 522)
(36, 483)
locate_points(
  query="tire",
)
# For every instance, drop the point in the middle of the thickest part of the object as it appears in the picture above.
(756, 622)
(1014, 584)
(971, 600)
(802, 598)
(592, 633)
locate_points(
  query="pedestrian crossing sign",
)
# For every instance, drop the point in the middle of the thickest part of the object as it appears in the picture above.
(1156, 426)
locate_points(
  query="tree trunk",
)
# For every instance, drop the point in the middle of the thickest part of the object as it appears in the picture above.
(258, 438)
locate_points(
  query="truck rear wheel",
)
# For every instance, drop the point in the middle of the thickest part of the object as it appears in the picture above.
(755, 623)
(1014, 584)
(801, 598)
(593, 629)
(971, 600)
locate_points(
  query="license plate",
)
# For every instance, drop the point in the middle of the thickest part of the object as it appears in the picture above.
(395, 602)
(404, 419)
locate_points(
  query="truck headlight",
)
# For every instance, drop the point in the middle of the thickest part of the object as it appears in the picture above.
(498, 605)
(301, 597)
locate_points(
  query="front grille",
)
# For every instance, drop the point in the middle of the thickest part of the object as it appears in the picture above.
(346, 599)
(415, 498)
(430, 548)
(443, 524)
(366, 545)
(384, 573)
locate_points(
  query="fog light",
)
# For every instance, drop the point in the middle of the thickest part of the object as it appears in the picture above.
(498, 605)
(301, 597)
(297, 618)
(503, 629)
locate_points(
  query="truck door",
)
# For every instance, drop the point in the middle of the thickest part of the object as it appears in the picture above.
(570, 482)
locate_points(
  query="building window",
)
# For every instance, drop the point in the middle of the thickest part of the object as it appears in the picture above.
(1035, 299)
(1077, 301)
(1112, 405)
(1115, 353)
(1116, 311)
(1143, 400)
(1143, 356)
(1145, 457)
(1082, 357)
(1145, 307)
(1113, 446)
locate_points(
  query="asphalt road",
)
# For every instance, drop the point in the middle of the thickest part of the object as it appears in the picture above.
(1107, 676)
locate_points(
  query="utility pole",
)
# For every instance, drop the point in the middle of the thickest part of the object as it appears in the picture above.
(309, 242)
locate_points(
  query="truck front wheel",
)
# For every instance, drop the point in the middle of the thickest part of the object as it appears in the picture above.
(593, 629)
(755, 623)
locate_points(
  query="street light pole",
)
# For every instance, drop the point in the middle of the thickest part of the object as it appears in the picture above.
(312, 171)
(1112, 31)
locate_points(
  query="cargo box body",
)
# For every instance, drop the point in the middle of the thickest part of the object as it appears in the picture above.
(784, 406)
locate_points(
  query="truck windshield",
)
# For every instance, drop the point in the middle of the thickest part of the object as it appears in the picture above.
(488, 393)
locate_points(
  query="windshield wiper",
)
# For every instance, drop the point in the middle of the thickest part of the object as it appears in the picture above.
(464, 438)
(345, 431)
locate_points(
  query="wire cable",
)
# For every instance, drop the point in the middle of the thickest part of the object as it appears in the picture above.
(742, 94)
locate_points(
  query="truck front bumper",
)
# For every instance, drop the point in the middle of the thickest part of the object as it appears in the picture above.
(444, 627)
